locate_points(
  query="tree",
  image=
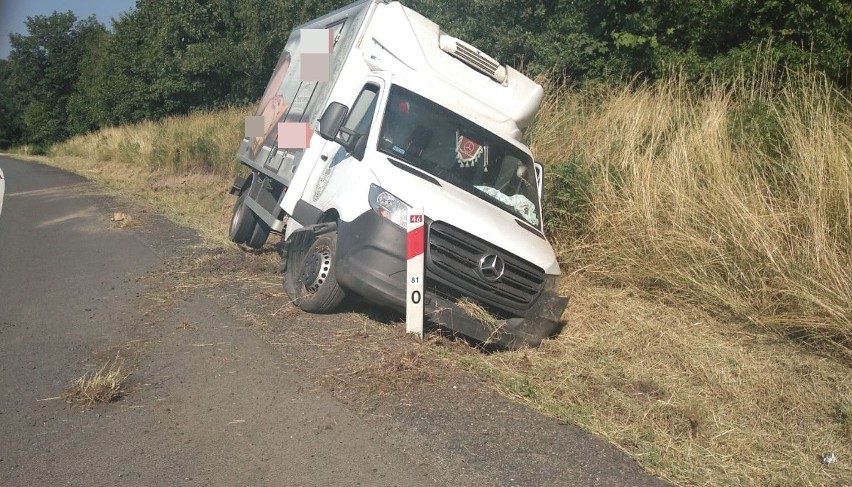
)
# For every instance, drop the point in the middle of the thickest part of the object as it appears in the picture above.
(174, 56)
(10, 112)
(67, 76)
(87, 108)
(816, 32)
(44, 70)
(603, 39)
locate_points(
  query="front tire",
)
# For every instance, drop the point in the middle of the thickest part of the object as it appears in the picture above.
(311, 281)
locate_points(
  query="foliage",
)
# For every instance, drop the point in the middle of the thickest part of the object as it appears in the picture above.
(620, 39)
(10, 110)
(567, 197)
(161, 58)
(174, 56)
(67, 76)
(43, 72)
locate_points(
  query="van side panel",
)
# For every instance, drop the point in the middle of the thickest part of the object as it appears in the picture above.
(344, 89)
(288, 98)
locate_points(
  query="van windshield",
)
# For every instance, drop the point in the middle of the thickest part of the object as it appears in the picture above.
(450, 147)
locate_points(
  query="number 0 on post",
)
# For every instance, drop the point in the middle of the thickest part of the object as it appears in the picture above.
(416, 243)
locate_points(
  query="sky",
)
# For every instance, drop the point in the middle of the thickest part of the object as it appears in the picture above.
(13, 14)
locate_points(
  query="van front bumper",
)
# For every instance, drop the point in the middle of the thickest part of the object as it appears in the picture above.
(371, 262)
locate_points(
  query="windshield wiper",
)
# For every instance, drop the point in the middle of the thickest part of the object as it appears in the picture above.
(419, 172)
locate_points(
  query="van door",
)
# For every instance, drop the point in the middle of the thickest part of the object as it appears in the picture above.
(338, 170)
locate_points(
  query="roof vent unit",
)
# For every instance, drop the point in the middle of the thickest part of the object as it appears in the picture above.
(474, 58)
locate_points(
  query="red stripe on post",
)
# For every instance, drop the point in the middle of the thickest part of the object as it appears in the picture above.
(416, 242)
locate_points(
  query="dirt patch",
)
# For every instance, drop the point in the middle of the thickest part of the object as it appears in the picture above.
(123, 220)
(392, 373)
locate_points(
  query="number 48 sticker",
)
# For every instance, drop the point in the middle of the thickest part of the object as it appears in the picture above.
(415, 243)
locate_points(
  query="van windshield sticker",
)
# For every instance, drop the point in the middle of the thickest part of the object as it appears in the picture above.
(467, 151)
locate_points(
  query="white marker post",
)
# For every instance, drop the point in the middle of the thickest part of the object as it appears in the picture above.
(416, 243)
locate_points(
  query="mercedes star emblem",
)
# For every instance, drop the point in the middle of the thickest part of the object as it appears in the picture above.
(491, 267)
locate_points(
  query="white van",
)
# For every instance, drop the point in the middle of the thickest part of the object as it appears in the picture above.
(408, 116)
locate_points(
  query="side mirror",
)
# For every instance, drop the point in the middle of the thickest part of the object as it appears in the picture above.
(331, 120)
(539, 178)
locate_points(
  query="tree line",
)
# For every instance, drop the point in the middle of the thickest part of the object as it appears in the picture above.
(67, 75)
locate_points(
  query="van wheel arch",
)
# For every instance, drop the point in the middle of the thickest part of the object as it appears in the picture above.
(330, 216)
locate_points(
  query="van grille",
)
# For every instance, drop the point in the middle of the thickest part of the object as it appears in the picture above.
(453, 261)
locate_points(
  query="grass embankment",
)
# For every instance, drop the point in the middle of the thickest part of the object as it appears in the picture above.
(182, 165)
(705, 233)
(736, 196)
(730, 206)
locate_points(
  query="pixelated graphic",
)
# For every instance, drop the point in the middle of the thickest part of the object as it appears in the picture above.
(254, 126)
(294, 135)
(316, 41)
(315, 49)
(272, 106)
(315, 67)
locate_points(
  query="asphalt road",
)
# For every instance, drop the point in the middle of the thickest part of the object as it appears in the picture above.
(212, 401)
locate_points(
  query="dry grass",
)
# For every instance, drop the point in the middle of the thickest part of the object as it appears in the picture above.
(196, 200)
(391, 372)
(695, 400)
(213, 270)
(102, 386)
(202, 142)
(719, 214)
(734, 196)
(477, 312)
(183, 165)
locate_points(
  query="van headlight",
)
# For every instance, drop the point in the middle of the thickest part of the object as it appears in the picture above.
(389, 206)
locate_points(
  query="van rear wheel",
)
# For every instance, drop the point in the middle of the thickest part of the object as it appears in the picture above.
(258, 236)
(311, 281)
(246, 227)
(243, 221)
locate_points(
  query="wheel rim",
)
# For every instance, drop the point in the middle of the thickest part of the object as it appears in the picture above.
(235, 220)
(237, 216)
(317, 266)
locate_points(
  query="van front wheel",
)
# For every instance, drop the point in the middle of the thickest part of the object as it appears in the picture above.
(310, 281)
